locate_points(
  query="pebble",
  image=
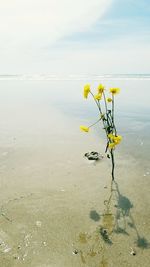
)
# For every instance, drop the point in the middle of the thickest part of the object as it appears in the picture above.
(104, 233)
(133, 252)
(6, 250)
(75, 252)
(44, 243)
(62, 190)
(145, 174)
(16, 257)
(93, 155)
(38, 223)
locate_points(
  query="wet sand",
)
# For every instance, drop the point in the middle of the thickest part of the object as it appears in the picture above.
(56, 205)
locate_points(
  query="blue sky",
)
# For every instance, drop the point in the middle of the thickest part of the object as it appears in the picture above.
(124, 18)
(75, 37)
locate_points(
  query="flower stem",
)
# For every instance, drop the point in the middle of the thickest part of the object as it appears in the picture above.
(105, 103)
(113, 164)
(100, 110)
(98, 105)
(108, 122)
(94, 123)
(113, 115)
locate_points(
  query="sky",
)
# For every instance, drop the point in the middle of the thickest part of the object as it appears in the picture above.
(74, 36)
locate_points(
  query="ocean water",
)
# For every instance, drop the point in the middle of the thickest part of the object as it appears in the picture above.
(65, 94)
(52, 200)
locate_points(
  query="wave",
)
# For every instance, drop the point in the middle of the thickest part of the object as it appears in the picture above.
(73, 77)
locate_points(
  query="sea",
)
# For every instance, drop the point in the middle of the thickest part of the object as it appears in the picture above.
(52, 199)
(64, 92)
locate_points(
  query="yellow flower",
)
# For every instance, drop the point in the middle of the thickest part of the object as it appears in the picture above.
(86, 90)
(114, 91)
(111, 136)
(109, 99)
(117, 139)
(84, 128)
(100, 88)
(98, 96)
(112, 145)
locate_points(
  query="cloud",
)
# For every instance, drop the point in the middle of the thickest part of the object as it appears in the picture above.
(72, 36)
(124, 55)
(36, 23)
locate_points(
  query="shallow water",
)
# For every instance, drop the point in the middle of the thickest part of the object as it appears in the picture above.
(53, 202)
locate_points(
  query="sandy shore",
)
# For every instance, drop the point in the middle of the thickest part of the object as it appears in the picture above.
(55, 205)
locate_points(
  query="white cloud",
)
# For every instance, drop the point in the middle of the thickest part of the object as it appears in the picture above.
(124, 55)
(35, 23)
(28, 28)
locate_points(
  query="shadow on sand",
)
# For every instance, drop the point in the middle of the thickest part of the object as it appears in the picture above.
(120, 219)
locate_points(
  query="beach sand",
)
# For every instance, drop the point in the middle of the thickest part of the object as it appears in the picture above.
(55, 204)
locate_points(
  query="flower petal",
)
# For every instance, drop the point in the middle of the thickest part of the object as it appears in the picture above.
(84, 128)
(86, 90)
(100, 88)
(109, 99)
(112, 145)
(114, 91)
(98, 96)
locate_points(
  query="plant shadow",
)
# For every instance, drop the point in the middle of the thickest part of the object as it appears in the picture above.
(121, 219)
(124, 212)
(94, 215)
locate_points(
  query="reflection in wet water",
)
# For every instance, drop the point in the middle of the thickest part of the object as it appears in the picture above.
(115, 219)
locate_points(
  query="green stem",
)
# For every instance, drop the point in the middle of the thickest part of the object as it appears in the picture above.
(113, 115)
(100, 110)
(107, 146)
(97, 103)
(108, 121)
(113, 164)
(109, 117)
(113, 107)
(95, 123)
(105, 102)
